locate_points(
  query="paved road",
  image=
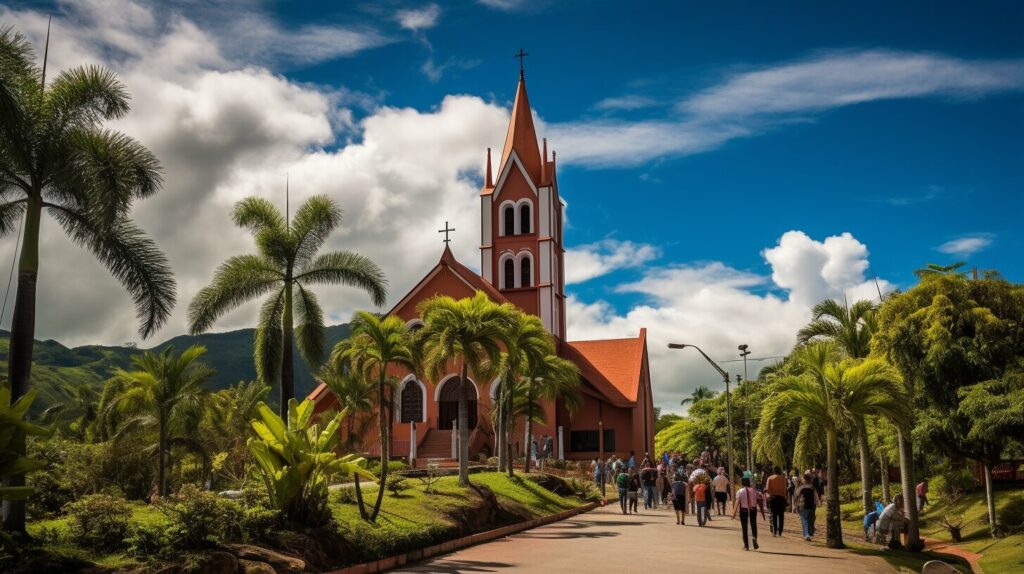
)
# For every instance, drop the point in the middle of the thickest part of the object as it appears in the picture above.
(606, 541)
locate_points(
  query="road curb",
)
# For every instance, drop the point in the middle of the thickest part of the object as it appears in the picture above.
(460, 543)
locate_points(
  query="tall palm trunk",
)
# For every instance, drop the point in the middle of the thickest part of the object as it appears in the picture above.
(883, 465)
(385, 443)
(528, 427)
(865, 470)
(833, 526)
(161, 467)
(23, 330)
(464, 426)
(909, 493)
(287, 355)
(499, 430)
(990, 500)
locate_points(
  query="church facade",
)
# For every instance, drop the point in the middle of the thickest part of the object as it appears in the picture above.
(521, 262)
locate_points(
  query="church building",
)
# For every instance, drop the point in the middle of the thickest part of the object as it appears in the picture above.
(521, 262)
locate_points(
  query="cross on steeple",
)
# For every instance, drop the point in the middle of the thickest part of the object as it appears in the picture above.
(521, 55)
(446, 231)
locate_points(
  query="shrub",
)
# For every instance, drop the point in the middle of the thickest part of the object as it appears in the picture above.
(396, 484)
(98, 521)
(200, 519)
(146, 540)
(51, 493)
(258, 523)
(344, 495)
(373, 466)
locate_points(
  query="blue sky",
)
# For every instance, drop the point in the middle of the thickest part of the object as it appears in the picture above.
(725, 164)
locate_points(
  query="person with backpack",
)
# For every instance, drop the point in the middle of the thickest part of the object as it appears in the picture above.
(622, 482)
(632, 490)
(678, 496)
(747, 504)
(807, 501)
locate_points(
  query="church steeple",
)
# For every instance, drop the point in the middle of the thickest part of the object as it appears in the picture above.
(522, 136)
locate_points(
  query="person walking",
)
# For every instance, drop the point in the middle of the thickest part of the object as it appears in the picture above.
(622, 483)
(807, 500)
(723, 491)
(922, 494)
(775, 488)
(649, 479)
(678, 495)
(700, 490)
(747, 504)
(633, 489)
(664, 487)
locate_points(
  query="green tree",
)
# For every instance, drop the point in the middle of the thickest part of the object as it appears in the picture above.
(375, 345)
(285, 266)
(830, 397)
(297, 459)
(470, 333)
(850, 328)
(529, 344)
(163, 390)
(551, 379)
(72, 409)
(946, 335)
(699, 394)
(56, 156)
(354, 392)
(934, 269)
(226, 422)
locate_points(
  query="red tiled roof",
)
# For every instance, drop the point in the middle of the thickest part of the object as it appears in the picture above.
(613, 366)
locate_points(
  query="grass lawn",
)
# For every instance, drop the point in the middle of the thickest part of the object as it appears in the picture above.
(415, 519)
(997, 554)
(142, 514)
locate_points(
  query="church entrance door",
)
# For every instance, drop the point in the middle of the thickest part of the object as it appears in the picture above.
(448, 404)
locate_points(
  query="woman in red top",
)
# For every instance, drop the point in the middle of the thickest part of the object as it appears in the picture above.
(747, 502)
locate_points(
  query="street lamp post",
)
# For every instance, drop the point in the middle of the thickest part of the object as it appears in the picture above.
(728, 407)
(746, 411)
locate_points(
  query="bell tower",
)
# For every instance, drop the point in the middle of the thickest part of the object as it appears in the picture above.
(521, 248)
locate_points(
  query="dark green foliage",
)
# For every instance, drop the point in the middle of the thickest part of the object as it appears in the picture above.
(74, 469)
(98, 521)
(199, 519)
(396, 484)
(147, 540)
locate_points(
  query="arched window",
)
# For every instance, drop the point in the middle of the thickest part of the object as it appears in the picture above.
(510, 220)
(524, 218)
(524, 271)
(510, 273)
(411, 399)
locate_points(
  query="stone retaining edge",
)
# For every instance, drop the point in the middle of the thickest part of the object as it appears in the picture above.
(460, 543)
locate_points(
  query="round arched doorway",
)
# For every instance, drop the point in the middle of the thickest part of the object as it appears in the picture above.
(448, 403)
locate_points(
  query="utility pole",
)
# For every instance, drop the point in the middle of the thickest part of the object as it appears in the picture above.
(728, 406)
(746, 411)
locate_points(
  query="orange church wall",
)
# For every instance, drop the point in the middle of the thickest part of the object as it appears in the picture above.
(619, 419)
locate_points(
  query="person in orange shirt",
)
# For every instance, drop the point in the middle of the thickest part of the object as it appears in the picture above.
(775, 488)
(700, 495)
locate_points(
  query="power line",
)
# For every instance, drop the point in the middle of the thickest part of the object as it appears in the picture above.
(751, 359)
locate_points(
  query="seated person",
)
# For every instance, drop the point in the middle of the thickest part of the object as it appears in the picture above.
(892, 522)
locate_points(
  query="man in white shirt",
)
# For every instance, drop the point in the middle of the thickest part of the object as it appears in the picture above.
(892, 522)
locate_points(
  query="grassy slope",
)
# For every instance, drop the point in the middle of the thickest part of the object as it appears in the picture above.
(415, 519)
(997, 555)
(412, 520)
(230, 353)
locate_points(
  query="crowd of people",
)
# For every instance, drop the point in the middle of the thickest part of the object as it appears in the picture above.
(701, 487)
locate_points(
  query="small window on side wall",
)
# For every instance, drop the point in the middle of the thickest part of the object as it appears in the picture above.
(526, 266)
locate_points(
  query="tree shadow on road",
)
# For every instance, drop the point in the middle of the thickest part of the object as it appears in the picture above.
(799, 555)
(456, 566)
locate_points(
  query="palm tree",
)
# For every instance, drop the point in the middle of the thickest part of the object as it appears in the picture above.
(55, 155)
(550, 379)
(353, 391)
(226, 423)
(163, 389)
(375, 345)
(469, 332)
(285, 267)
(72, 409)
(933, 269)
(528, 344)
(830, 396)
(699, 394)
(850, 328)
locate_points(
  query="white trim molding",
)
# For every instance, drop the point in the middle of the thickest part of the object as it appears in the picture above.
(398, 398)
(437, 390)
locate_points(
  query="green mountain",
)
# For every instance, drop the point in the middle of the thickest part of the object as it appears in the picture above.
(230, 353)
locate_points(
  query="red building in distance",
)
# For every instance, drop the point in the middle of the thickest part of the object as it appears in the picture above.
(522, 262)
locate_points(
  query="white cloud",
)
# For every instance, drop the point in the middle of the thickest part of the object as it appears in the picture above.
(630, 102)
(224, 130)
(752, 102)
(419, 19)
(587, 262)
(506, 5)
(967, 245)
(718, 307)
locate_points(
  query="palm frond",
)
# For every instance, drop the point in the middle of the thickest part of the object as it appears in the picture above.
(269, 340)
(313, 222)
(309, 335)
(132, 258)
(86, 95)
(238, 280)
(346, 268)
